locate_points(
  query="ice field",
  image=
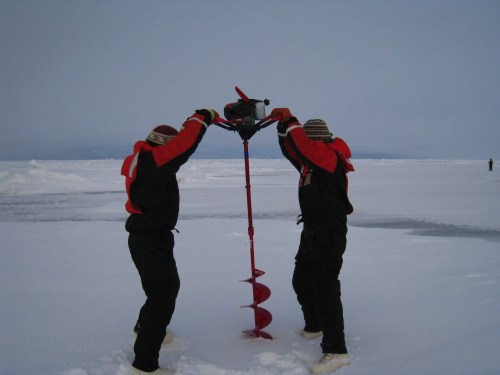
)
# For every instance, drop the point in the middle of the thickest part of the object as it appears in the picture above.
(420, 281)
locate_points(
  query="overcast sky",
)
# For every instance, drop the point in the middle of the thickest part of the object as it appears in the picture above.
(413, 79)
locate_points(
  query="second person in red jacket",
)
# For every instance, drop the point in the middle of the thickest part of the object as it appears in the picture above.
(322, 162)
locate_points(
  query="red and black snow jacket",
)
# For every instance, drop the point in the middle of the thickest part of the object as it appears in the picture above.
(150, 180)
(323, 182)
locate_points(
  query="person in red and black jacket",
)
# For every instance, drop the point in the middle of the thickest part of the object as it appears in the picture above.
(323, 163)
(153, 205)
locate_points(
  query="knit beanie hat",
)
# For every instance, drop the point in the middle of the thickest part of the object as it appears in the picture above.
(317, 130)
(161, 135)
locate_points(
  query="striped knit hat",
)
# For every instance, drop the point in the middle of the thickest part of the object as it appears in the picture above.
(161, 135)
(317, 130)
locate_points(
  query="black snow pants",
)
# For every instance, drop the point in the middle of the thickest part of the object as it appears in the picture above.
(315, 281)
(153, 256)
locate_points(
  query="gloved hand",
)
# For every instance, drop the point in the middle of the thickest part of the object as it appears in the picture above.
(209, 115)
(281, 113)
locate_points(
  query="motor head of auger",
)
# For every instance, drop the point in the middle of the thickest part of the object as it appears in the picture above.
(244, 113)
(250, 111)
(245, 110)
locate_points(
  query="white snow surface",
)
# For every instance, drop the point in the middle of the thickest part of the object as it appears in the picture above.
(420, 281)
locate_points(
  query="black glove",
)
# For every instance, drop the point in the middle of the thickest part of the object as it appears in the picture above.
(209, 115)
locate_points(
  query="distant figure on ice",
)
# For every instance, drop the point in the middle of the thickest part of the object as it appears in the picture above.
(490, 164)
(153, 204)
(323, 163)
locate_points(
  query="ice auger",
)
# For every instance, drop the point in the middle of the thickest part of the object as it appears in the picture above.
(246, 117)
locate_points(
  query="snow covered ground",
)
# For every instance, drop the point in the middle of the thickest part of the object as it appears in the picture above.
(421, 276)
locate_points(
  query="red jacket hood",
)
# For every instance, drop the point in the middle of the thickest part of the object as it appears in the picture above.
(142, 146)
(342, 149)
(339, 145)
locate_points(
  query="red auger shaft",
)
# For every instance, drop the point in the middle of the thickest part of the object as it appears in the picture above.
(260, 292)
